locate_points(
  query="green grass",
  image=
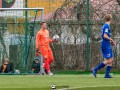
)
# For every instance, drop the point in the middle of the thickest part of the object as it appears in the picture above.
(71, 82)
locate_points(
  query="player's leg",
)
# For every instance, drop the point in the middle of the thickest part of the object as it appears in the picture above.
(44, 52)
(50, 56)
(109, 65)
(106, 54)
(46, 65)
(46, 61)
(101, 65)
(108, 69)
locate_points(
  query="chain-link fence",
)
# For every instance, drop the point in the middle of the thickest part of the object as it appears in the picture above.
(79, 48)
(77, 22)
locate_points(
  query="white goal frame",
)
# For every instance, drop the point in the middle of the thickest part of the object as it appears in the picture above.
(39, 9)
(42, 19)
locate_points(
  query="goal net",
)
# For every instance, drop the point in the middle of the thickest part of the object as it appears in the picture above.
(18, 27)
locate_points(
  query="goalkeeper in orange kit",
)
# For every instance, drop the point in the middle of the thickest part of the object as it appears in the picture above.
(42, 45)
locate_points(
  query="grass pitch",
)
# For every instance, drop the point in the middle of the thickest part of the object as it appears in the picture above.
(62, 82)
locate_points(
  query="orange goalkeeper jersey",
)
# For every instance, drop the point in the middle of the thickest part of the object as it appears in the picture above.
(43, 39)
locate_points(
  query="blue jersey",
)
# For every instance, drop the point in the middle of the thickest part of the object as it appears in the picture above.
(105, 42)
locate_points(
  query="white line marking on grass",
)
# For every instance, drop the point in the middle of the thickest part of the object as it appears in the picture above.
(87, 87)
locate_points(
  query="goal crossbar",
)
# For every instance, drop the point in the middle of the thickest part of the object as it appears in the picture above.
(21, 9)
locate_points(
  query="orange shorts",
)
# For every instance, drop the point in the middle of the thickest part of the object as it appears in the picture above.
(47, 53)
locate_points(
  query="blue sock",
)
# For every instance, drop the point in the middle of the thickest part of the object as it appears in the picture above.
(101, 65)
(108, 68)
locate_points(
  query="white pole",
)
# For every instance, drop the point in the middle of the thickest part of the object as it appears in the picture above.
(21, 9)
(42, 16)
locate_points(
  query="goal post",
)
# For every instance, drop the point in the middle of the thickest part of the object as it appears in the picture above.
(15, 30)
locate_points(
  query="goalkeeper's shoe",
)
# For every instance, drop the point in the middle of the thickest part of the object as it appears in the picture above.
(50, 73)
(108, 76)
(94, 72)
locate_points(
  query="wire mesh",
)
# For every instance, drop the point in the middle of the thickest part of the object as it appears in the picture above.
(66, 18)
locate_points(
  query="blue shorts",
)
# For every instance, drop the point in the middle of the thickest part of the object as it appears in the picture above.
(107, 53)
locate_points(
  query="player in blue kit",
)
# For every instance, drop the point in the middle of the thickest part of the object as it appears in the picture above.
(106, 48)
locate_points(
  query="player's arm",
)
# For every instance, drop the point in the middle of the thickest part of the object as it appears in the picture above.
(37, 43)
(50, 40)
(37, 40)
(108, 38)
(111, 40)
(54, 40)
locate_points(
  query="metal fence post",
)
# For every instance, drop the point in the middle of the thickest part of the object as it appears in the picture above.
(87, 38)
